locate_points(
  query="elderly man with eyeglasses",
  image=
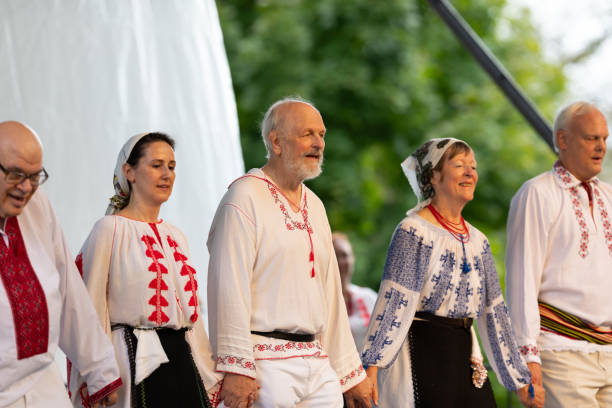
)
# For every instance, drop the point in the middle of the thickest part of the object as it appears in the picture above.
(43, 301)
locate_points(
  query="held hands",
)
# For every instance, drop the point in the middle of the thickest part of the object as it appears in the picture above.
(360, 395)
(238, 391)
(109, 400)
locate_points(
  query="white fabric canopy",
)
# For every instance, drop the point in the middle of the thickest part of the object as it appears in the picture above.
(86, 75)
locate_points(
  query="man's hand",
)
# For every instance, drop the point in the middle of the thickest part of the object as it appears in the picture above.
(360, 395)
(109, 400)
(538, 399)
(536, 373)
(238, 391)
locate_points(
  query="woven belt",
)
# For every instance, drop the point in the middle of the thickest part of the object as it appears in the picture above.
(276, 334)
(465, 323)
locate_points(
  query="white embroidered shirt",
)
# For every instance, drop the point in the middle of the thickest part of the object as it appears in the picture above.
(273, 269)
(558, 253)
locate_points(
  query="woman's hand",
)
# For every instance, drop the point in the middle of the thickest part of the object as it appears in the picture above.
(372, 373)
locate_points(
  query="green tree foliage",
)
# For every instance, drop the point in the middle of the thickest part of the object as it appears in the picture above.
(387, 76)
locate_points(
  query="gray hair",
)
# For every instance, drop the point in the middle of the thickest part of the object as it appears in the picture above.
(272, 121)
(566, 113)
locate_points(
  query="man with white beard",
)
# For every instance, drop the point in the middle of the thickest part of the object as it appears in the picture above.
(276, 312)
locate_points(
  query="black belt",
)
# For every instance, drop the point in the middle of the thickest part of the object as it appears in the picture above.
(465, 323)
(276, 334)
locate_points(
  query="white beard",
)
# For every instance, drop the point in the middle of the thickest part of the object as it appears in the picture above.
(302, 171)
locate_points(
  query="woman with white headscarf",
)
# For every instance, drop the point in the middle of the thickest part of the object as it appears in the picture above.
(137, 270)
(438, 277)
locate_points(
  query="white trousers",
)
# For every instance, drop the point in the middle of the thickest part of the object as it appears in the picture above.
(575, 379)
(49, 391)
(300, 382)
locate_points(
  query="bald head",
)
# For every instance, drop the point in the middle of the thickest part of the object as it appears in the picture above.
(20, 153)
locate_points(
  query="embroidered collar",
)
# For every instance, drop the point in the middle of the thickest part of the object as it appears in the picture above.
(567, 180)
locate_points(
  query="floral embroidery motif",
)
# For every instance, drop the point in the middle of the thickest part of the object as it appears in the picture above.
(442, 284)
(529, 349)
(158, 300)
(25, 294)
(290, 223)
(190, 272)
(350, 376)
(566, 179)
(492, 287)
(605, 218)
(289, 346)
(241, 362)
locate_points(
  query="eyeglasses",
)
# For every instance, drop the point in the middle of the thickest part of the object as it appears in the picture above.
(18, 177)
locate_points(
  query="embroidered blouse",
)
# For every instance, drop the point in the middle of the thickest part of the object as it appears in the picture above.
(45, 306)
(428, 270)
(274, 269)
(139, 274)
(558, 253)
(360, 311)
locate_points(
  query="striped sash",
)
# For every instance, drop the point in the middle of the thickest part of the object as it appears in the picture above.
(562, 323)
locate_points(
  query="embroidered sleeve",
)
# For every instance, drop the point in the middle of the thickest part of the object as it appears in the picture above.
(82, 337)
(231, 245)
(337, 339)
(403, 278)
(496, 331)
(528, 224)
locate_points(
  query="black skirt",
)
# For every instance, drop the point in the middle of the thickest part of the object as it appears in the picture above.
(441, 372)
(173, 384)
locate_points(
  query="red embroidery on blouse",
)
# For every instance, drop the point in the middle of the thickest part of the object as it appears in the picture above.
(350, 376)
(158, 300)
(363, 312)
(242, 362)
(605, 218)
(583, 251)
(25, 294)
(190, 272)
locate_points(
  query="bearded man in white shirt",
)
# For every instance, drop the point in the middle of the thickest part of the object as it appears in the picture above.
(43, 300)
(559, 266)
(276, 313)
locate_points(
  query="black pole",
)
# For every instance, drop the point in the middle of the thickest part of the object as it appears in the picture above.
(493, 67)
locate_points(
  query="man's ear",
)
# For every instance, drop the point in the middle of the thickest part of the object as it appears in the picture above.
(562, 138)
(275, 140)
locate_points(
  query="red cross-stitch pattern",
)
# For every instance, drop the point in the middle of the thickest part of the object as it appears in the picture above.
(25, 293)
(158, 300)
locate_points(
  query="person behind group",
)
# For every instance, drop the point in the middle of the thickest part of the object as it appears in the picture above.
(440, 275)
(42, 297)
(558, 265)
(359, 300)
(138, 272)
(275, 307)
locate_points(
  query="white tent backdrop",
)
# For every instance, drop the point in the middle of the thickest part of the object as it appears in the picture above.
(86, 75)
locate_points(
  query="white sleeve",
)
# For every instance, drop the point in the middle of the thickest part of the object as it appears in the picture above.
(81, 336)
(337, 339)
(528, 225)
(231, 245)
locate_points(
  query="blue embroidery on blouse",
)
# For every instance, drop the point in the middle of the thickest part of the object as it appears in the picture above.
(504, 337)
(442, 284)
(395, 300)
(407, 259)
(464, 293)
(480, 291)
(493, 290)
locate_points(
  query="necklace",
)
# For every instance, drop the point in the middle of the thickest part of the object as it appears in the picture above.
(458, 230)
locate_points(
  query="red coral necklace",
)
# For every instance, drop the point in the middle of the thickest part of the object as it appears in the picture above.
(458, 230)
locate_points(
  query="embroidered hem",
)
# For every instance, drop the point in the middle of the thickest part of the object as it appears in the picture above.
(353, 378)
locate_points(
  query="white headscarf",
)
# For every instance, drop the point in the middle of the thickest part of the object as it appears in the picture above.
(120, 182)
(418, 168)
